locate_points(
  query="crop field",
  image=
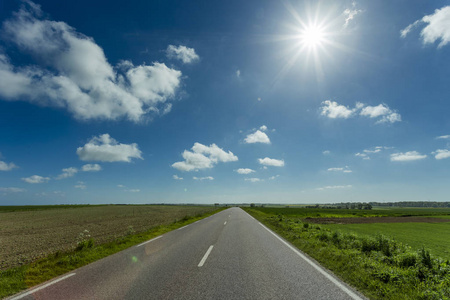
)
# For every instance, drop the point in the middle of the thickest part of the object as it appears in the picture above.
(32, 232)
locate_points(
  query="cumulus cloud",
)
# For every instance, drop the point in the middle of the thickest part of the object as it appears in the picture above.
(257, 137)
(326, 152)
(437, 27)
(12, 190)
(244, 171)
(67, 172)
(441, 154)
(177, 178)
(274, 177)
(203, 157)
(71, 71)
(253, 179)
(203, 178)
(7, 166)
(36, 179)
(91, 168)
(105, 148)
(238, 73)
(333, 187)
(350, 13)
(183, 53)
(333, 110)
(407, 156)
(271, 162)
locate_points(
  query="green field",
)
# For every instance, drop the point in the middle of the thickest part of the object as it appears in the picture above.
(364, 255)
(432, 236)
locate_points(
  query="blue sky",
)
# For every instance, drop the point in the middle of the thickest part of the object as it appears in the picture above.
(231, 101)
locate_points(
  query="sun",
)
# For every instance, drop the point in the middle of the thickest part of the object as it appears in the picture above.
(312, 36)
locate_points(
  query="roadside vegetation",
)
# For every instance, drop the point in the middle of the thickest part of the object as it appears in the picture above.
(378, 266)
(86, 248)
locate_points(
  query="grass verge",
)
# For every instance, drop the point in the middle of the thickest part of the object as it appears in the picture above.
(17, 279)
(377, 266)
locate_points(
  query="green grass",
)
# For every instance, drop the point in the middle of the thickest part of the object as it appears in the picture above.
(379, 267)
(17, 279)
(15, 208)
(301, 212)
(433, 236)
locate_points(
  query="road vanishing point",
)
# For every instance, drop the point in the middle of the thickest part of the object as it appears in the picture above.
(229, 255)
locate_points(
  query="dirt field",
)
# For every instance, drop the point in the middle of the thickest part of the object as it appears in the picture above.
(28, 235)
(368, 220)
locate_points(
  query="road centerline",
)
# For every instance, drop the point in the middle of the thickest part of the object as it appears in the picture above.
(205, 257)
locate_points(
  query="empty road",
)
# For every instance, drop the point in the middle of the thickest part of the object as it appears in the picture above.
(229, 255)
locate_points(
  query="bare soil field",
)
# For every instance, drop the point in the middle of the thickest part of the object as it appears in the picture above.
(28, 235)
(368, 220)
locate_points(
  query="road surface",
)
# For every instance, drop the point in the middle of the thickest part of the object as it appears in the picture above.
(229, 255)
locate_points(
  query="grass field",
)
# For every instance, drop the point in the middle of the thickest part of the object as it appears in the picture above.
(433, 236)
(363, 254)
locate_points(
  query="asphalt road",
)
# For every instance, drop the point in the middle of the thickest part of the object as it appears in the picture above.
(229, 255)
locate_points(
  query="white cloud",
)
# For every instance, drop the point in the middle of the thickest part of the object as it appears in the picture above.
(333, 187)
(105, 148)
(7, 166)
(437, 28)
(407, 156)
(36, 179)
(263, 128)
(183, 53)
(72, 72)
(12, 190)
(253, 179)
(344, 170)
(333, 110)
(363, 155)
(120, 186)
(203, 178)
(238, 73)
(133, 190)
(383, 111)
(91, 168)
(257, 137)
(443, 137)
(274, 177)
(67, 172)
(326, 152)
(441, 154)
(81, 185)
(203, 157)
(271, 162)
(177, 178)
(244, 171)
(350, 13)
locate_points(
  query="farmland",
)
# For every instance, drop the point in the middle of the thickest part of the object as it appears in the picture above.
(371, 249)
(32, 232)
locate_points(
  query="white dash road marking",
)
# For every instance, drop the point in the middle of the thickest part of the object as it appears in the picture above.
(202, 262)
(225, 223)
(42, 287)
(315, 266)
(149, 241)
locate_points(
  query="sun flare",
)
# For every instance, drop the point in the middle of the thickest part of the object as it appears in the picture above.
(312, 36)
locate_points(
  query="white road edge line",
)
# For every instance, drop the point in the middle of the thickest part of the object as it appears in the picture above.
(315, 266)
(182, 227)
(42, 287)
(149, 241)
(202, 262)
